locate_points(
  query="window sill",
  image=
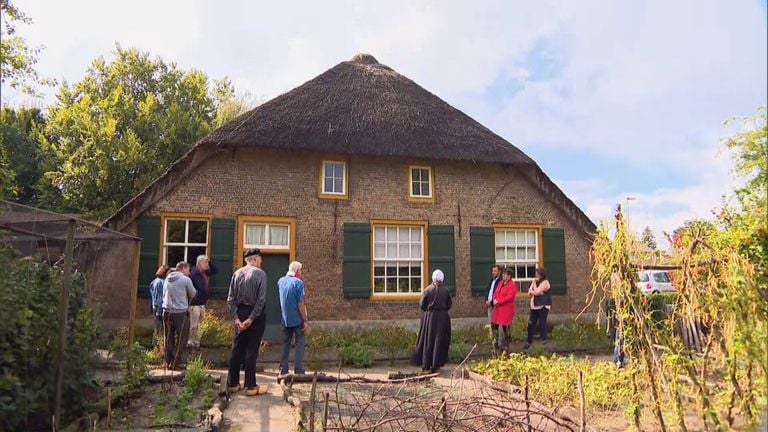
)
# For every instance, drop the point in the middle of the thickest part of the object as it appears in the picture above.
(421, 200)
(344, 197)
(396, 297)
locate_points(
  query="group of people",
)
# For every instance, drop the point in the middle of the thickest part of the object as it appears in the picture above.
(434, 337)
(178, 299)
(179, 296)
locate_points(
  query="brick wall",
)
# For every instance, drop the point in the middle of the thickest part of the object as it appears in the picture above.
(267, 182)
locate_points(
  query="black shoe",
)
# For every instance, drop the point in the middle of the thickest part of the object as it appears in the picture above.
(526, 346)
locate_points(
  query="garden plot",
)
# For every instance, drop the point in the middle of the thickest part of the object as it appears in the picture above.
(436, 403)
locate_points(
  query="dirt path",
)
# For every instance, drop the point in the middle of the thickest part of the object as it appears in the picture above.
(259, 413)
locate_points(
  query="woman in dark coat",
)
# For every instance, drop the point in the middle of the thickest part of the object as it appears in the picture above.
(435, 332)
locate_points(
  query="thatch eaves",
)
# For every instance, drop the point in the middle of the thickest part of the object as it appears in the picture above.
(362, 107)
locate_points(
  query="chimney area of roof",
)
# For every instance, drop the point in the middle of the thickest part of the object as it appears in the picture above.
(363, 58)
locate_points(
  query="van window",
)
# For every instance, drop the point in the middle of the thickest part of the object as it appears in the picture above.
(661, 277)
(642, 277)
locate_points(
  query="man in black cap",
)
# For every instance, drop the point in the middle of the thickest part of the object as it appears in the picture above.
(246, 299)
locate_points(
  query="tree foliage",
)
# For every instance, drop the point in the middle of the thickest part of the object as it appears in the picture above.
(647, 238)
(21, 154)
(17, 59)
(119, 128)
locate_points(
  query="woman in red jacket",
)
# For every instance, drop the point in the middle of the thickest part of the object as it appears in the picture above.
(503, 310)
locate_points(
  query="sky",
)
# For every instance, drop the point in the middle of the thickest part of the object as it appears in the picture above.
(618, 102)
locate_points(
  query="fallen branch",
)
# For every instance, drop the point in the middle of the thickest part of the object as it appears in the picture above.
(353, 378)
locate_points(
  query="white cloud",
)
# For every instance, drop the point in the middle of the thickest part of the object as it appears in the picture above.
(637, 82)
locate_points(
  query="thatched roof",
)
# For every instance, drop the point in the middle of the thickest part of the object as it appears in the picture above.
(364, 107)
(358, 107)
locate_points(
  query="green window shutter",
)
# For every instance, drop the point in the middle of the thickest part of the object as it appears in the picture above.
(222, 254)
(149, 258)
(481, 255)
(554, 258)
(357, 260)
(442, 251)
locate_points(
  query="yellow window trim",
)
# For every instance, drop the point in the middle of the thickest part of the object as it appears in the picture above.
(424, 276)
(409, 188)
(320, 190)
(244, 219)
(539, 237)
(169, 215)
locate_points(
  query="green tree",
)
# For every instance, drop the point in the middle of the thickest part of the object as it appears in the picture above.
(19, 143)
(229, 104)
(17, 59)
(119, 128)
(648, 239)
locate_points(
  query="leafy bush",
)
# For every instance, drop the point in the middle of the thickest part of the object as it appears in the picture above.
(457, 352)
(580, 335)
(196, 375)
(356, 354)
(134, 370)
(29, 297)
(395, 339)
(553, 380)
(473, 334)
(215, 331)
(518, 331)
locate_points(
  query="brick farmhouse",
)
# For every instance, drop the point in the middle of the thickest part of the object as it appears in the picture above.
(369, 180)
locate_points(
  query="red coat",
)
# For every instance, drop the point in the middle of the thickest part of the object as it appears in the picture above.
(504, 309)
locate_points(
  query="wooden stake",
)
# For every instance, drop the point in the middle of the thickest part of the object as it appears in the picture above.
(134, 295)
(312, 404)
(109, 407)
(63, 307)
(583, 404)
(325, 410)
(527, 407)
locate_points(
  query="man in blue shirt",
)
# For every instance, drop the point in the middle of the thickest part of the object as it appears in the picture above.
(293, 317)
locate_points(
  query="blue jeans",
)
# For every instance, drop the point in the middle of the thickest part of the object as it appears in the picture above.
(288, 334)
(618, 349)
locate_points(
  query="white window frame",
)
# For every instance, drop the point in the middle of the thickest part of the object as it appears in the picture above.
(377, 261)
(430, 182)
(186, 244)
(268, 246)
(514, 261)
(333, 178)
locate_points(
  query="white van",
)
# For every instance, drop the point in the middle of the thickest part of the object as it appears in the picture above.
(654, 281)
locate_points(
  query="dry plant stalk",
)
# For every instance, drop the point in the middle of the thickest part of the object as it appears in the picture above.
(717, 328)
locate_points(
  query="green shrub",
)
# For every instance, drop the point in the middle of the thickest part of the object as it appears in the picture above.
(134, 370)
(29, 297)
(580, 335)
(395, 339)
(518, 331)
(215, 331)
(457, 352)
(196, 375)
(472, 334)
(356, 354)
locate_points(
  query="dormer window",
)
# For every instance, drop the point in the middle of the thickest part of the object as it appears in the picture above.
(421, 184)
(333, 180)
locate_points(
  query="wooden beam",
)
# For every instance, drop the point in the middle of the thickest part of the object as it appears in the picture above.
(63, 306)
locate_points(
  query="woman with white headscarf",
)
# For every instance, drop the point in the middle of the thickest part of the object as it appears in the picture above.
(435, 332)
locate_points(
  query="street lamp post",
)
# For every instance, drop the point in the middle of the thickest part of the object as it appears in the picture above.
(629, 198)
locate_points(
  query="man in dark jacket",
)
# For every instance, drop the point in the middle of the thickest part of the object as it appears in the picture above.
(200, 276)
(492, 284)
